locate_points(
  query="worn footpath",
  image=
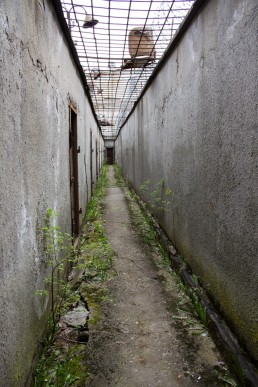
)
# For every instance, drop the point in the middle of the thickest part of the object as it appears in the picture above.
(145, 333)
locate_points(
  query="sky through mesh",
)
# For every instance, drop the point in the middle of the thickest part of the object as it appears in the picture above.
(119, 53)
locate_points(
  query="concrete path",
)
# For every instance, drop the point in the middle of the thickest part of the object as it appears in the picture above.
(137, 342)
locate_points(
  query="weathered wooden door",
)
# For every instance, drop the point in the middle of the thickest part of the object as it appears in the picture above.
(91, 164)
(74, 184)
(97, 160)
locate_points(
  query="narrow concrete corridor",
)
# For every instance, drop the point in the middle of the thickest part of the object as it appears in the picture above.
(163, 89)
(142, 340)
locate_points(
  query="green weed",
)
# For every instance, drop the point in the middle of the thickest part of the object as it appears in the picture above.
(57, 369)
(95, 249)
(160, 198)
(60, 254)
(119, 175)
(61, 366)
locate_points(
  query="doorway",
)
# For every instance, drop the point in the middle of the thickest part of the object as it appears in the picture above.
(110, 155)
(97, 160)
(74, 184)
(91, 164)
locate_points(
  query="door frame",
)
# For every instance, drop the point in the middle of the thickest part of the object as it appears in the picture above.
(73, 166)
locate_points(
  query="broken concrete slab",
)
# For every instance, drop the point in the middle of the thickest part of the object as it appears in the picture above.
(77, 317)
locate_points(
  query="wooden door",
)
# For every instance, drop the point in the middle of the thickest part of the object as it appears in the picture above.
(74, 184)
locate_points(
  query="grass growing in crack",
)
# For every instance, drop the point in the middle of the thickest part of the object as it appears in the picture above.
(119, 175)
(61, 369)
(66, 365)
(140, 220)
(95, 207)
(97, 256)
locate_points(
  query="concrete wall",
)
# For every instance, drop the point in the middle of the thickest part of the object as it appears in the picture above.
(196, 129)
(38, 79)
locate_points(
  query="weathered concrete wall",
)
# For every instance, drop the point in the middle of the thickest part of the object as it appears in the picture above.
(196, 129)
(38, 79)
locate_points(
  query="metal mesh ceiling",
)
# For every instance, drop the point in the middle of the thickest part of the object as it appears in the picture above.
(119, 43)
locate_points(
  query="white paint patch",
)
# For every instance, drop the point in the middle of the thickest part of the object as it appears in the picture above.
(49, 106)
(25, 231)
(58, 115)
(192, 51)
(57, 168)
(237, 17)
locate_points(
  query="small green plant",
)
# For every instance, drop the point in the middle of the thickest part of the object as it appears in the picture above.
(119, 175)
(60, 253)
(198, 306)
(226, 379)
(63, 363)
(95, 206)
(160, 199)
(57, 369)
(98, 256)
(192, 297)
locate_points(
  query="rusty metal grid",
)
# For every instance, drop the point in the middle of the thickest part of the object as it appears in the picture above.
(121, 45)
